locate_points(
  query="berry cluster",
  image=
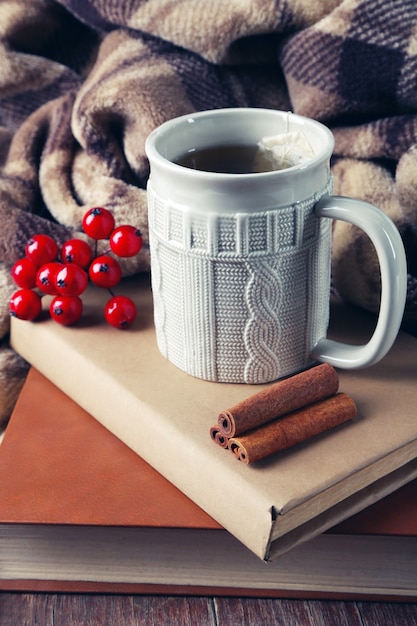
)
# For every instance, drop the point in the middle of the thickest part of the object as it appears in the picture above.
(64, 272)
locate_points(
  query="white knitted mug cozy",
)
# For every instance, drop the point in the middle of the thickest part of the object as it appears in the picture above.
(240, 263)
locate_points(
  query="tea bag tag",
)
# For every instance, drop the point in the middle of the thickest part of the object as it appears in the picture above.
(278, 152)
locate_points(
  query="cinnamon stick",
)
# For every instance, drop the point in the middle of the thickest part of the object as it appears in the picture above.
(218, 437)
(292, 429)
(283, 397)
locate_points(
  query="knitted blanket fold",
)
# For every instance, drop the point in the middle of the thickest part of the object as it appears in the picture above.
(83, 83)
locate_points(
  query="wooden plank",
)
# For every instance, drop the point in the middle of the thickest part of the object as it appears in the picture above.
(271, 612)
(341, 613)
(373, 614)
(25, 609)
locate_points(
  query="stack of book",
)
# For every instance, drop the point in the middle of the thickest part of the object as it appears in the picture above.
(110, 480)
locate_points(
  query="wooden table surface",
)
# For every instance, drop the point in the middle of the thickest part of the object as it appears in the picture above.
(33, 609)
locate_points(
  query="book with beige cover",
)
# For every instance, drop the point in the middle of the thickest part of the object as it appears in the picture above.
(165, 416)
(97, 518)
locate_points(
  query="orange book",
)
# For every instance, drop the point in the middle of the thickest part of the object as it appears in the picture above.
(80, 511)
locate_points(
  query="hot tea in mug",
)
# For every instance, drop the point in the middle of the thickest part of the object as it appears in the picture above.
(226, 159)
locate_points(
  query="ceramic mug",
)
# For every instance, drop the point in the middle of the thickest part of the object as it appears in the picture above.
(240, 262)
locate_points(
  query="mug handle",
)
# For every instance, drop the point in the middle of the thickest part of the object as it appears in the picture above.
(393, 266)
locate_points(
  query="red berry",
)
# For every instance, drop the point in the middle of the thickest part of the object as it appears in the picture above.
(105, 271)
(66, 310)
(71, 280)
(120, 312)
(76, 251)
(98, 223)
(24, 273)
(25, 304)
(126, 241)
(41, 249)
(45, 279)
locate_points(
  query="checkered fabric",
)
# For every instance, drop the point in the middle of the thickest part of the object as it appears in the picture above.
(83, 82)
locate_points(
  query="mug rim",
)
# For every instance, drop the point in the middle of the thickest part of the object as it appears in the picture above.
(168, 126)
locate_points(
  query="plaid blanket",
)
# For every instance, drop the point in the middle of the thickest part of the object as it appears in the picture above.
(82, 83)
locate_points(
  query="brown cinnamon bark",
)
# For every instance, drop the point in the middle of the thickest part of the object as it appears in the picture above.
(293, 428)
(283, 397)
